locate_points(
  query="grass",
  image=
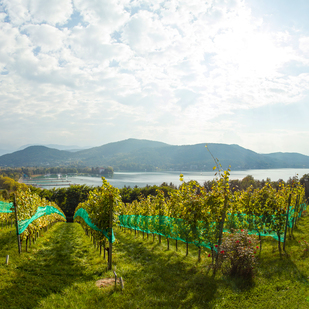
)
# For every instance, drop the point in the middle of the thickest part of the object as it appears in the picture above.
(61, 268)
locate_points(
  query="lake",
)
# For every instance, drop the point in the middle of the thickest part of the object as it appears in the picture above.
(141, 179)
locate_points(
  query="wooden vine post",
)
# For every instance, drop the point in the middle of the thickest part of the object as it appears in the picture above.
(223, 215)
(279, 244)
(110, 251)
(17, 230)
(286, 222)
(160, 224)
(297, 209)
(295, 216)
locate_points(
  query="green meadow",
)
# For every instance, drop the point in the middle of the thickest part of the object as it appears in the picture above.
(61, 269)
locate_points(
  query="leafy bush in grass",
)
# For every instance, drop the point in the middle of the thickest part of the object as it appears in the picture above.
(305, 247)
(236, 255)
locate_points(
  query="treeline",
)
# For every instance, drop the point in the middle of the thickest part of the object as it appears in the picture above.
(31, 171)
(66, 198)
(13, 173)
(128, 194)
(246, 182)
(18, 172)
(133, 167)
(101, 171)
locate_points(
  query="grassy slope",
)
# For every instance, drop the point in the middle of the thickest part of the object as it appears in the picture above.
(61, 269)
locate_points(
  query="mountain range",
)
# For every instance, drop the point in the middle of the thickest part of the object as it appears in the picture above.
(146, 155)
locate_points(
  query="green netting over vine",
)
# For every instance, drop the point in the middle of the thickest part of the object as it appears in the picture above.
(205, 234)
(41, 211)
(5, 207)
(81, 212)
(172, 228)
(264, 225)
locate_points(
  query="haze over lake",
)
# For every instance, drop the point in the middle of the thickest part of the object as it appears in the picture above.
(141, 179)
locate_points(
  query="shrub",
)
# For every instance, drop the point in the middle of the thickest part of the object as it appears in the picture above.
(236, 255)
(305, 245)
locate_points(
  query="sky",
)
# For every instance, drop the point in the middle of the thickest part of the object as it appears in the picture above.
(91, 72)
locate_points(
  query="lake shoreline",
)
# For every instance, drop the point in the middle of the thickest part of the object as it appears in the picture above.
(142, 179)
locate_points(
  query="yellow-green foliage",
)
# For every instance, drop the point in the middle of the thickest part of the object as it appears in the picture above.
(98, 207)
(5, 216)
(9, 184)
(28, 204)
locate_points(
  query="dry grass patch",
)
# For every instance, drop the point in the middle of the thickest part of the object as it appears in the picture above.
(103, 283)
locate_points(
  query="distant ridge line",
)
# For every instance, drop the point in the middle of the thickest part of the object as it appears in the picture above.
(146, 155)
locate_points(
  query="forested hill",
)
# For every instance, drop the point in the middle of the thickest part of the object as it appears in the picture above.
(141, 155)
(35, 156)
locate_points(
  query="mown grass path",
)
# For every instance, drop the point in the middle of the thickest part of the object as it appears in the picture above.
(60, 271)
(61, 260)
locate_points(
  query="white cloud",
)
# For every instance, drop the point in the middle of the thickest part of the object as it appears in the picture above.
(52, 11)
(38, 11)
(103, 13)
(46, 37)
(18, 11)
(148, 67)
(277, 141)
(304, 44)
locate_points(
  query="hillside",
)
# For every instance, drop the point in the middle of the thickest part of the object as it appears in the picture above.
(108, 151)
(141, 155)
(35, 156)
(56, 146)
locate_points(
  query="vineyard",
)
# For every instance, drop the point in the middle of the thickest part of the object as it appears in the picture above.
(196, 216)
(190, 214)
(191, 219)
